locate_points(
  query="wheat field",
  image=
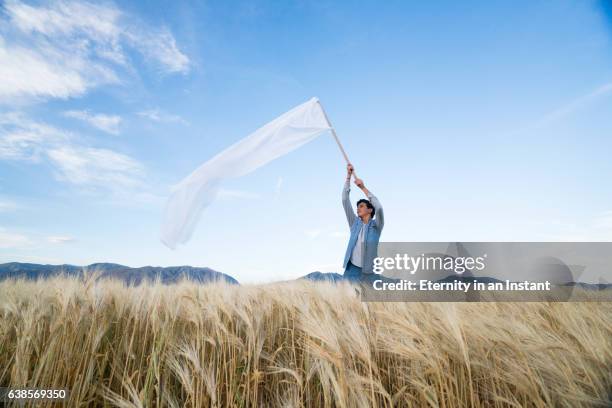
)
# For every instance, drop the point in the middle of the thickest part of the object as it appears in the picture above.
(297, 344)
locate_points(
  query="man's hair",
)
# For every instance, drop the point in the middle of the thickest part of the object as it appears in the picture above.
(368, 204)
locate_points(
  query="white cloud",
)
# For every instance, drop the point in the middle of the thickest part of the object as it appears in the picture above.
(574, 105)
(157, 115)
(160, 46)
(106, 123)
(65, 48)
(60, 239)
(565, 110)
(11, 240)
(90, 168)
(26, 72)
(279, 186)
(24, 139)
(16, 240)
(6, 205)
(66, 17)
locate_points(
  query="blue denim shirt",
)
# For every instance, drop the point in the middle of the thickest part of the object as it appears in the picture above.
(372, 230)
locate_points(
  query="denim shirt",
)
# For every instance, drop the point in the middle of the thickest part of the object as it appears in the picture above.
(371, 234)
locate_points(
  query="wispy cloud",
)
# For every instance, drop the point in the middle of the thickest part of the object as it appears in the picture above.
(279, 186)
(24, 139)
(87, 166)
(567, 109)
(60, 239)
(65, 48)
(17, 240)
(574, 105)
(106, 123)
(12, 240)
(159, 45)
(90, 168)
(7, 205)
(156, 115)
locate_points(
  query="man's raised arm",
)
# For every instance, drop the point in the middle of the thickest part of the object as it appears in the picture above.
(346, 202)
(379, 214)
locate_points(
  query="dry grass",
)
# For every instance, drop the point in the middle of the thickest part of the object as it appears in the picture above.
(297, 344)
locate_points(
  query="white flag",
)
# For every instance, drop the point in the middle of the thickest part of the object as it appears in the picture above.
(194, 193)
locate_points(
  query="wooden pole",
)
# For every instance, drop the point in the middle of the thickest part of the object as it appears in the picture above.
(333, 131)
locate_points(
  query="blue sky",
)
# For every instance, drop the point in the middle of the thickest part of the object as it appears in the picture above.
(472, 121)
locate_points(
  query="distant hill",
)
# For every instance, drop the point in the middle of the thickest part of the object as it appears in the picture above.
(131, 276)
(323, 276)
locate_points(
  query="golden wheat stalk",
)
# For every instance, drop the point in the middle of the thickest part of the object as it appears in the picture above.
(296, 344)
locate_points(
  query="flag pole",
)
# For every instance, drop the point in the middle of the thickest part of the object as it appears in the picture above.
(333, 131)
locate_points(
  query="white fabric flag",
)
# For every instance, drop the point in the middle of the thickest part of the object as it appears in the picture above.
(194, 193)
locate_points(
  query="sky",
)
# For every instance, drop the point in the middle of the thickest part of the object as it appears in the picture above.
(470, 121)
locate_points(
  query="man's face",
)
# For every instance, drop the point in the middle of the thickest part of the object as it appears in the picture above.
(363, 210)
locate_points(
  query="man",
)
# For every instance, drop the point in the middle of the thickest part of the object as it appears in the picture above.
(365, 231)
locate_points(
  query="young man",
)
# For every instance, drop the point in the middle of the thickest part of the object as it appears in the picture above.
(365, 231)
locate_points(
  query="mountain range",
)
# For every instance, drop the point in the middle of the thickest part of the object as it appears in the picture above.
(131, 276)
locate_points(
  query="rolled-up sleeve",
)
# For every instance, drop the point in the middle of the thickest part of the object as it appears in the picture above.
(379, 215)
(346, 203)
